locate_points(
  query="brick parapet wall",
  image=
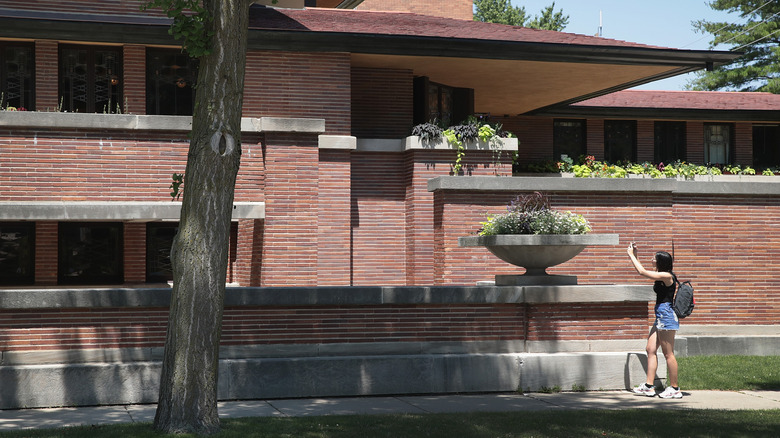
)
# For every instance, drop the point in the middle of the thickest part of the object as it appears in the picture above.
(74, 329)
(726, 245)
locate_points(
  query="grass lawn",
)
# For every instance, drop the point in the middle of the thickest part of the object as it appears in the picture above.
(714, 373)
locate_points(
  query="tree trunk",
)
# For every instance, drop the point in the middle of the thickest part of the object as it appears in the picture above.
(188, 386)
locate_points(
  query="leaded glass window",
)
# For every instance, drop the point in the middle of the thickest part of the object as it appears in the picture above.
(16, 75)
(170, 82)
(91, 79)
(90, 253)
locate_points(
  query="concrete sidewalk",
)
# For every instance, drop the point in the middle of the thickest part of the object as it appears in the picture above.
(494, 402)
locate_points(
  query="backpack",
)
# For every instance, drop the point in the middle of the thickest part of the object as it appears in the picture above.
(683, 303)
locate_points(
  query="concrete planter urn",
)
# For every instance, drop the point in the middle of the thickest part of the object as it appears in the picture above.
(536, 253)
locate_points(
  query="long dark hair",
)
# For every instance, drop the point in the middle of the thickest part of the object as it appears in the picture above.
(664, 262)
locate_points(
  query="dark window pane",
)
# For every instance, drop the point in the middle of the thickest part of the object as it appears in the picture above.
(90, 253)
(17, 253)
(91, 79)
(670, 143)
(159, 240)
(766, 146)
(619, 140)
(170, 81)
(569, 139)
(16, 75)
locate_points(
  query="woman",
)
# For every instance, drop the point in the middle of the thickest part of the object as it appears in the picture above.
(665, 326)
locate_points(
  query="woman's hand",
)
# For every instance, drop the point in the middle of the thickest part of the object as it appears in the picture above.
(632, 249)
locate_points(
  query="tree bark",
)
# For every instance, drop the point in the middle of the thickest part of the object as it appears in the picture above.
(188, 386)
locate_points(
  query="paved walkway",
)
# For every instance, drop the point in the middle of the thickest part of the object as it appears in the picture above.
(501, 402)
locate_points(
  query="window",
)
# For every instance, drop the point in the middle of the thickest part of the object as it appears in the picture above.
(90, 79)
(569, 139)
(170, 81)
(17, 253)
(669, 142)
(16, 75)
(447, 105)
(717, 144)
(159, 240)
(766, 146)
(90, 253)
(619, 140)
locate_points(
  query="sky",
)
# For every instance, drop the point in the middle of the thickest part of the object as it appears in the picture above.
(665, 23)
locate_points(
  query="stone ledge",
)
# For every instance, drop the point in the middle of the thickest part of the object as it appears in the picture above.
(35, 298)
(771, 186)
(111, 210)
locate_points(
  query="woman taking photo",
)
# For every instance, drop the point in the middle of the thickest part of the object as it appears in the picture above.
(665, 326)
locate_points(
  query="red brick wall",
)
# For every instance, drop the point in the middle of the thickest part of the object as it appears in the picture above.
(309, 85)
(726, 245)
(743, 142)
(694, 142)
(595, 135)
(645, 141)
(46, 76)
(67, 329)
(334, 204)
(135, 252)
(461, 9)
(134, 80)
(382, 103)
(290, 228)
(46, 253)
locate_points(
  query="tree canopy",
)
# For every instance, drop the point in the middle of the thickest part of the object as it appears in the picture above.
(757, 36)
(504, 12)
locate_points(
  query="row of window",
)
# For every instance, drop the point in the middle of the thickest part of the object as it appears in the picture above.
(670, 142)
(87, 253)
(90, 79)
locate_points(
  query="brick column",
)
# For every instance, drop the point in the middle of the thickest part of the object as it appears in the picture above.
(694, 142)
(743, 144)
(291, 189)
(135, 252)
(645, 141)
(46, 253)
(595, 138)
(334, 236)
(46, 73)
(134, 80)
(249, 247)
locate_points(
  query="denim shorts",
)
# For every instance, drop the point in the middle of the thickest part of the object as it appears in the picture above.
(665, 318)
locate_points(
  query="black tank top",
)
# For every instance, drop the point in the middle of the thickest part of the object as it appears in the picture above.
(664, 293)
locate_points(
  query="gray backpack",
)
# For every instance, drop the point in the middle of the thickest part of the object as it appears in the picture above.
(684, 302)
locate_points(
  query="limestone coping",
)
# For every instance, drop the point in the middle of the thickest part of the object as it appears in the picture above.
(60, 120)
(757, 186)
(35, 298)
(111, 210)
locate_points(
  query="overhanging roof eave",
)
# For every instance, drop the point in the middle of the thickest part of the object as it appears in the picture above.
(481, 49)
(661, 113)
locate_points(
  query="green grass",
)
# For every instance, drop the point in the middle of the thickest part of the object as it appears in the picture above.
(730, 373)
(700, 372)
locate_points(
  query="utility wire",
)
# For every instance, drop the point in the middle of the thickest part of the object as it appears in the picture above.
(755, 41)
(727, 25)
(748, 30)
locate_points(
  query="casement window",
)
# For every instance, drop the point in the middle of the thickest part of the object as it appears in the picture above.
(17, 253)
(441, 103)
(766, 146)
(159, 240)
(90, 253)
(619, 140)
(170, 82)
(717, 143)
(91, 79)
(17, 63)
(670, 144)
(569, 138)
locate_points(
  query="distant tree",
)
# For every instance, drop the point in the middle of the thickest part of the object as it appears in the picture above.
(758, 37)
(499, 11)
(549, 19)
(503, 12)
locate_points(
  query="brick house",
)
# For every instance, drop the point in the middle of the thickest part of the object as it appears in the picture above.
(336, 202)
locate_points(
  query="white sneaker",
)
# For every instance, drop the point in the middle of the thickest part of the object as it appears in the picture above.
(644, 390)
(670, 392)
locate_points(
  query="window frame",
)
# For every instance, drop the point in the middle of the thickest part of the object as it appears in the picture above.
(26, 261)
(113, 76)
(608, 152)
(64, 261)
(156, 80)
(662, 151)
(28, 92)
(760, 159)
(557, 139)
